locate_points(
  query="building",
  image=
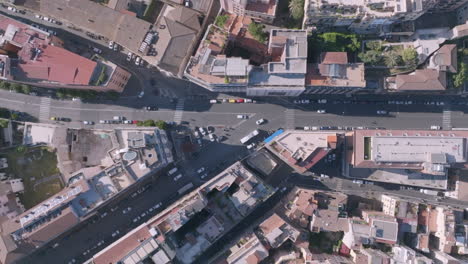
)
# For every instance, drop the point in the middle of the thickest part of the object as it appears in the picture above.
(10, 206)
(303, 149)
(411, 157)
(403, 255)
(30, 55)
(168, 228)
(263, 10)
(419, 80)
(278, 69)
(299, 206)
(330, 214)
(276, 231)
(248, 250)
(334, 72)
(448, 227)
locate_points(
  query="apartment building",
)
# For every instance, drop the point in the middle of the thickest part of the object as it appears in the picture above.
(262, 10)
(279, 70)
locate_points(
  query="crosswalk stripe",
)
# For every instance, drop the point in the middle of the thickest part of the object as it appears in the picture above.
(447, 119)
(290, 115)
(44, 108)
(179, 111)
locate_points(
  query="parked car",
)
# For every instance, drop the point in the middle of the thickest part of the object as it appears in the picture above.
(88, 122)
(137, 61)
(126, 210)
(242, 116)
(129, 56)
(111, 44)
(212, 137)
(251, 146)
(381, 112)
(322, 101)
(98, 51)
(200, 170)
(260, 121)
(150, 108)
(202, 130)
(128, 122)
(213, 101)
(436, 128)
(115, 233)
(176, 178)
(203, 175)
(321, 111)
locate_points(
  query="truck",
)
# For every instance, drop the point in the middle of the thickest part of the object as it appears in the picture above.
(249, 136)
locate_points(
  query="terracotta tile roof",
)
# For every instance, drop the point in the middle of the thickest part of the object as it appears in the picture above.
(334, 58)
(422, 80)
(120, 248)
(446, 58)
(272, 223)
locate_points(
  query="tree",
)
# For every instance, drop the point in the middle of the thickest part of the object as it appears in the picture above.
(462, 75)
(17, 87)
(26, 89)
(21, 149)
(371, 57)
(296, 9)
(410, 56)
(14, 116)
(256, 30)
(161, 124)
(221, 20)
(146, 123)
(61, 94)
(374, 45)
(3, 123)
(392, 59)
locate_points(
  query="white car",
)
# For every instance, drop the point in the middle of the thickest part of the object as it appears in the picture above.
(127, 122)
(115, 233)
(242, 116)
(322, 101)
(157, 205)
(260, 121)
(129, 56)
(321, 111)
(196, 134)
(176, 178)
(203, 175)
(111, 44)
(200, 170)
(102, 121)
(202, 130)
(137, 61)
(435, 127)
(141, 94)
(213, 101)
(88, 122)
(251, 146)
(381, 112)
(212, 137)
(127, 210)
(306, 128)
(315, 128)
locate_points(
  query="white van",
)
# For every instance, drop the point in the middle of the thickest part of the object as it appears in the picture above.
(172, 171)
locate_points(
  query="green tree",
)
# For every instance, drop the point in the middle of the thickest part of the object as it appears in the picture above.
(221, 20)
(14, 116)
(392, 59)
(374, 45)
(371, 57)
(296, 9)
(21, 149)
(3, 85)
(256, 30)
(410, 56)
(26, 89)
(17, 87)
(3, 123)
(61, 94)
(161, 124)
(462, 75)
(148, 123)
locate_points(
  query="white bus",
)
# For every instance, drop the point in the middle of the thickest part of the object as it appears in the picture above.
(249, 136)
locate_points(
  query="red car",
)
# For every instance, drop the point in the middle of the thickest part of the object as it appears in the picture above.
(239, 100)
(134, 121)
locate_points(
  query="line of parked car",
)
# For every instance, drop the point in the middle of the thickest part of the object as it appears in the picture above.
(232, 101)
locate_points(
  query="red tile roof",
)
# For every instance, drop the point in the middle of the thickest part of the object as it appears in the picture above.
(334, 58)
(57, 65)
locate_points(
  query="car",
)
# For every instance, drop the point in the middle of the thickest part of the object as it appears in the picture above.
(141, 94)
(297, 101)
(381, 112)
(358, 182)
(118, 118)
(115, 233)
(157, 205)
(203, 175)
(88, 122)
(38, 16)
(115, 47)
(199, 142)
(129, 56)
(187, 3)
(126, 210)
(306, 128)
(315, 128)
(242, 117)
(322, 101)
(54, 118)
(239, 100)
(98, 51)
(260, 121)
(251, 146)
(232, 101)
(210, 129)
(248, 101)
(176, 178)
(196, 134)
(435, 127)
(143, 214)
(321, 111)
(212, 137)
(102, 121)
(136, 219)
(137, 61)
(202, 130)
(150, 108)
(104, 214)
(128, 122)
(213, 101)
(75, 99)
(111, 44)
(202, 169)
(305, 101)
(324, 176)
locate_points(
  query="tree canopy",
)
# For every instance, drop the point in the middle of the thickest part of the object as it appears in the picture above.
(256, 30)
(296, 8)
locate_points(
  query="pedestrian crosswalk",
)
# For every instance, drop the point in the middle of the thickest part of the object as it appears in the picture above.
(44, 108)
(339, 184)
(179, 111)
(290, 115)
(447, 119)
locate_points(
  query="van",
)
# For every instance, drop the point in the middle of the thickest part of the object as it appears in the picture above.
(232, 101)
(435, 127)
(172, 171)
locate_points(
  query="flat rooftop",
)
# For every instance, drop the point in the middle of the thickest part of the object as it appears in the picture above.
(268, 7)
(416, 149)
(405, 148)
